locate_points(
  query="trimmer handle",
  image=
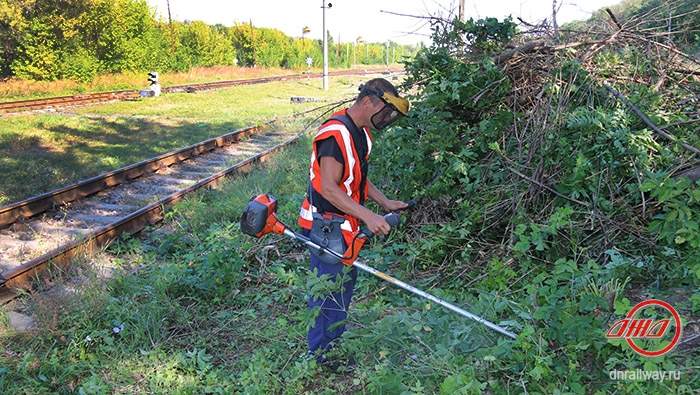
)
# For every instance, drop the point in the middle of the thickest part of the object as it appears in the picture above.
(393, 219)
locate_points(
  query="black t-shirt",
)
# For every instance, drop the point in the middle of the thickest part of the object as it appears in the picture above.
(329, 147)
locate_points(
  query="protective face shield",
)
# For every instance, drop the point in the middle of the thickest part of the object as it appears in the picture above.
(394, 107)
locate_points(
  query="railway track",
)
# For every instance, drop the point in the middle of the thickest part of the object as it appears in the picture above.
(54, 227)
(66, 101)
(91, 98)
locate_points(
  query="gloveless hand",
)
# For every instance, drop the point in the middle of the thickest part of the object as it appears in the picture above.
(377, 225)
(393, 205)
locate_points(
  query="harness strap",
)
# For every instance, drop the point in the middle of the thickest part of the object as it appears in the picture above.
(350, 125)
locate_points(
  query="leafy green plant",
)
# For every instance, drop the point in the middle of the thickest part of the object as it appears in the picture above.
(677, 222)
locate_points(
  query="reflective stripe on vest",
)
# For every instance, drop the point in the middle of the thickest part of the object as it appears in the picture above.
(306, 213)
(350, 155)
(352, 173)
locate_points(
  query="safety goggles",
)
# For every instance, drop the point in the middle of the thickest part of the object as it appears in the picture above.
(394, 107)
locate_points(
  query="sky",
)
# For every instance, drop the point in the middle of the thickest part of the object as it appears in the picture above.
(351, 19)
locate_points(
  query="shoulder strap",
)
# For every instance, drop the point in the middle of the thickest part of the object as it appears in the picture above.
(345, 120)
(350, 125)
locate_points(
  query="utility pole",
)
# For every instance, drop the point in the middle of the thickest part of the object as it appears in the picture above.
(386, 53)
(358, 40)
(325, 46)
(170, 17)
(461, 10)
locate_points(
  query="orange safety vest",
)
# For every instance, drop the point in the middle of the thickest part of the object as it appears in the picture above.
(351, 180)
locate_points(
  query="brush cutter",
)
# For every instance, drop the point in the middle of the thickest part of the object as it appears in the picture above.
(260, 218)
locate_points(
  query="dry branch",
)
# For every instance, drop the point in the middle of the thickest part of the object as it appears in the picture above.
(692, 173)
(613, 18)
(648, 121)
(527, 47)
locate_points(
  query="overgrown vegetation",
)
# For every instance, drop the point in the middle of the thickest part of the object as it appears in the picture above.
(541, 189)
(80, 39)
(546, 206)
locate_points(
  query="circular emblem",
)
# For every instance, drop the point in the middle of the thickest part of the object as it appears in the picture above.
(676, 336)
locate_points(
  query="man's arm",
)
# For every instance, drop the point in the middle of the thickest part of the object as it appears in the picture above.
(331, 173)
(386, 203)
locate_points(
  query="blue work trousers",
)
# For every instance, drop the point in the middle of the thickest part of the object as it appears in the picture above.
(329, 323)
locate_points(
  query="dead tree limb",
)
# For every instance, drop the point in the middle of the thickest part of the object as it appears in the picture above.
(692, 173)
(667, 47)
(595, 48)
(686, 71)
(550, 189)
(613, 18)
(527, 47)
(648, 121)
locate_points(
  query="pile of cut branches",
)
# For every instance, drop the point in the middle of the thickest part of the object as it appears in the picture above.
(593, 120)
(557, 171)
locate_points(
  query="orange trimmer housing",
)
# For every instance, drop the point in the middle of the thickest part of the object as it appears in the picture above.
(353, 251)
(260, 217)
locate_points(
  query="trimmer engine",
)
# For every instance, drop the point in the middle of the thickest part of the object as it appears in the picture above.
(260, 217)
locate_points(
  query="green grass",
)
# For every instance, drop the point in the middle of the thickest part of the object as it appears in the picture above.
(250, 102)
(207, 309)
(39, 153)
(212, 310)
(18, 89)
(213, 319)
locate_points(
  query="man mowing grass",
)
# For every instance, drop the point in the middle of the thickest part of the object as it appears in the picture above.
(334, 203)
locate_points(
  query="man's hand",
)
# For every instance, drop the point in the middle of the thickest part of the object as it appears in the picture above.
(393, 205)
(387, 204)
(377, 225)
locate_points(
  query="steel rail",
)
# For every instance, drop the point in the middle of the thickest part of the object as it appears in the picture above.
(52, 102)
(21, 276)
(34, 205)
(96, 97)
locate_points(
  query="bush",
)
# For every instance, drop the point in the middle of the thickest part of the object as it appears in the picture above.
(80, 66)
(37, 54)
(205, 46)
(596, 214)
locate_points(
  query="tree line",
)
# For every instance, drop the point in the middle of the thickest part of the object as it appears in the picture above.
(79, 39)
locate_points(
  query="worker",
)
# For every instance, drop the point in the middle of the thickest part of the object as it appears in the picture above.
(336, 195)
